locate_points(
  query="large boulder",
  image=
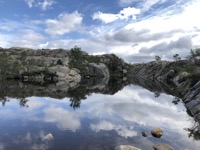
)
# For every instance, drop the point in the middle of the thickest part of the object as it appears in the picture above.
(126, 147)
(99, 70)
(61, 71)
(157, 132)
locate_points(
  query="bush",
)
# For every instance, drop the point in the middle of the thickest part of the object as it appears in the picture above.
(59, 62)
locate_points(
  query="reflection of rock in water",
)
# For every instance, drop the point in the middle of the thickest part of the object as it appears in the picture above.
(160, 146)
(59, 90)
(192, 102)
(48, 137)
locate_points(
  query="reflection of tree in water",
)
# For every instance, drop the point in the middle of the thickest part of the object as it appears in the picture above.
(156, 94)
(22, 101)
(176, 100)
(76, 95)
(194, 132)
(4, 100)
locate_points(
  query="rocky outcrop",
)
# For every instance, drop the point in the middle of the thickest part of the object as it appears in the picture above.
(45, 65)
(180, 79)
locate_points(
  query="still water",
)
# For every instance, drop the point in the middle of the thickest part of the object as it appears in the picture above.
(100, 123)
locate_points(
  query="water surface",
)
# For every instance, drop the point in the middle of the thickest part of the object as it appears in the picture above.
(100, 123)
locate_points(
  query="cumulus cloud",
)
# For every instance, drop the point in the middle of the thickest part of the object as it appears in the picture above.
(153, 32)
(180, 46)
(63, 118)
(121, 130)
(143, 35)
(132, 110)
(65, 23)
(125, 14)
(27, 38)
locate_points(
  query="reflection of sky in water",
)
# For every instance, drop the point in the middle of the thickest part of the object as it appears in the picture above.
(102, 121)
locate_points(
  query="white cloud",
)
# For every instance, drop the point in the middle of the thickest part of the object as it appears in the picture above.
(43, 4)
(106, 18)
(30, 3)
(46, 4)
(85, 44)
(132, 110)
(4, 40)
(123, 131)
(144, 5)
(65, 23)
(147, 4)
(125, 14)
(164, 26)
(63, 118)
(27, 38)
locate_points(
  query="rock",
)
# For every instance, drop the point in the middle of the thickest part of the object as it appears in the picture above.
(160, 146)
(61, 71)
(48, 137)
(72, 73)
(180, 78)
(126, 147)
(157, 132)
(124, 79)
(99, 70)
(144, 134)
(65, 61)
(77, 70)
(124, 71)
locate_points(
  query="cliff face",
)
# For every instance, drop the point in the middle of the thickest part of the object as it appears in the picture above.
(180, 79)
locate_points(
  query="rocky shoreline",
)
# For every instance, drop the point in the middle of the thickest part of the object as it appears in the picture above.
(45, 65)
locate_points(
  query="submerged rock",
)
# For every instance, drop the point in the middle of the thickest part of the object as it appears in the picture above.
(126, 147)
(144, 134)
(160, 146)
(157, 132)
(48, 137)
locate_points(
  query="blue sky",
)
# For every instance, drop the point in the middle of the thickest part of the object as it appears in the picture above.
(135, 30)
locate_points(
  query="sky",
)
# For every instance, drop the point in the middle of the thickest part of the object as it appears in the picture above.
(135, 30)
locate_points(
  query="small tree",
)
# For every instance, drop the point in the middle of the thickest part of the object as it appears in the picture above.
(177, 57)
(193, 56)
(59, 62)
(157, 58)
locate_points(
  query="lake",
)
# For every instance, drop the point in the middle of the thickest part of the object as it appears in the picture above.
(97, 122)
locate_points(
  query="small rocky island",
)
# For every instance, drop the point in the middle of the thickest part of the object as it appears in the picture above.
(56, 72)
